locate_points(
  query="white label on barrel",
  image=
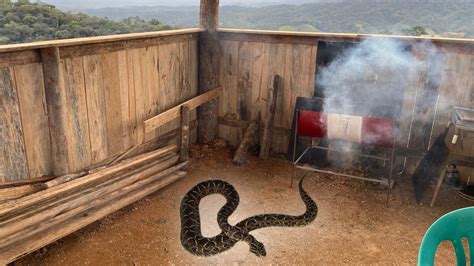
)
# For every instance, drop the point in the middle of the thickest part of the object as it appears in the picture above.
(345, 127)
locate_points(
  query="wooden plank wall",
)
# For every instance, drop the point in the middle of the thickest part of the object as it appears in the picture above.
(247, 69)
(250, 61)
(109, 92)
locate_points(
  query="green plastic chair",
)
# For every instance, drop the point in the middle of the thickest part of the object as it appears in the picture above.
(453, 227)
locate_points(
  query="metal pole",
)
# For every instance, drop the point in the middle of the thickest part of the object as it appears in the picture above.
(295, 137)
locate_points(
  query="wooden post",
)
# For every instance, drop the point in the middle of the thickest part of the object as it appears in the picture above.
(185, 120)
(209, 62)
(241, 153)
(55, 100)
(267, 138)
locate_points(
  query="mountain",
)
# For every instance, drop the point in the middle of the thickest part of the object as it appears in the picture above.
(362, 16)
(23, 21)
(74, 5)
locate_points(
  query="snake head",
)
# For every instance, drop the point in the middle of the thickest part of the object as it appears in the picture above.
(258, 249)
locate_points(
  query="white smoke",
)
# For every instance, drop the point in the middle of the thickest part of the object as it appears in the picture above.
(374, 74)
(371, 78)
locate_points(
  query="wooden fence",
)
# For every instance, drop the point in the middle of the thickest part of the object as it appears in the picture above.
(251, 58)
(111, 85)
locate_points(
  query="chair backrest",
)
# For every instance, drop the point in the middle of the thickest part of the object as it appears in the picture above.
(453, 227)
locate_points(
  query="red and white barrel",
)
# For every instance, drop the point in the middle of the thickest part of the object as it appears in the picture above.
(357, 129)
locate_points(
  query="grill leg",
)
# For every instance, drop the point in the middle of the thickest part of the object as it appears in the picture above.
(295, 138)
(392, 161)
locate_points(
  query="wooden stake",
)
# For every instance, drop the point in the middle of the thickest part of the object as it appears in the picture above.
(241, 153)
(267, 138)
(185, 120)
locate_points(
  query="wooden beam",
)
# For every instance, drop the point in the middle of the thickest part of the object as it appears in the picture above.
(267, 138)
(107, 47)
(326, 36)
(56, 102)
(175, 112)
(11, 228)
(209, 15)
(209, 62)
(61, 189)
(25, 182)
(19, 58)
(185, 126)
(91, 40)
(117, 201)
(241, 154)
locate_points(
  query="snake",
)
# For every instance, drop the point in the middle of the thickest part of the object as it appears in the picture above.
(195, 243)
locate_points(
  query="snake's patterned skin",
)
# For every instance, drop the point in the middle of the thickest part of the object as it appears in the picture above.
(193, 240)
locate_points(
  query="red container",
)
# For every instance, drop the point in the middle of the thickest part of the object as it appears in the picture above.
(374, 131)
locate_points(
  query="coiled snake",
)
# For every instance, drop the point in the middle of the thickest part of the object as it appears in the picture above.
(193, 240)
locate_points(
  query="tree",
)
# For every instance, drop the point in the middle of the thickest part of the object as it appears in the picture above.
(23, 21)
(415, 31)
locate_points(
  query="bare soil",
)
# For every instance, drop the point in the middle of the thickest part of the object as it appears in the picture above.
(354, 226)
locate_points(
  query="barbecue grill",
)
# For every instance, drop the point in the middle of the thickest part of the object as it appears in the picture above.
(310, 121)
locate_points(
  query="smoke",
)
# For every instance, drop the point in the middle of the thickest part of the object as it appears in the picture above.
(370, 78)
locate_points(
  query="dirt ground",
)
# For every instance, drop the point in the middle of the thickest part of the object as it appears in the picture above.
(353, 225)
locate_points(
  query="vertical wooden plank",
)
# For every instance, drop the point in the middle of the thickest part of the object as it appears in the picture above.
(34, 114)
(277, 55)
(229, 101)
(244, 80)
(184, 84)
(13, 160)
(56, 102)
(113, 104)
(174, 91)
(185, 120)
(193, 78)
(97, 119)
(151, 88)
(169, 81)
(135, 71)
(222, 108)
(77, 125)
(426, 100)
(127, 102)
(259, 77)
(267, 138)
(132, 129)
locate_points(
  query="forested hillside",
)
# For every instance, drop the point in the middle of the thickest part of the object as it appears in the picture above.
(23, 21)
(361, 16)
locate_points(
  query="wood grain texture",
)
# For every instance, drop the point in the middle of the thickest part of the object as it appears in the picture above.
(96, 113)
(89, 106)
(142, 36)
(113, 104)
(34, 114)
(19, 58)
(247, 70)
(228, 103)
(56, 102)
(209, 62)
(13, 160)
(75, 111)
(175, 112)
